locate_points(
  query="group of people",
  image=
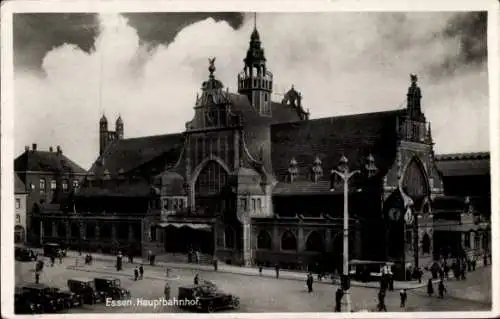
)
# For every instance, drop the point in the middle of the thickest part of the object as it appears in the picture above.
(138, 273)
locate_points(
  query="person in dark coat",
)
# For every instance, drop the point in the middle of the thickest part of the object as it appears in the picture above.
(141, 271)
(52, 260)
(216, 264)
(309, 282)
(441, 289)
(381, 301)
(339, 294)
(277, 268)
(430, 287)
(37, 277)
(403, 296)
(196, 279)
(136, 273)
(462, 273)
(446, 270)
(166, 291)
(473, 264)
(260, 270)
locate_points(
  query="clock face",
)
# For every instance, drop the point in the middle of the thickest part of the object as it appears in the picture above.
(394, 214)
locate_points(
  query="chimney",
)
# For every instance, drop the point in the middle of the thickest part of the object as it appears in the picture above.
(33, 147)
(51, 149)
(59, 150)
(26, 148)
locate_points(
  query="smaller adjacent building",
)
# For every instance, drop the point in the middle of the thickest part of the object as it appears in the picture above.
(20, 195)
(462, 224)
(50, 179)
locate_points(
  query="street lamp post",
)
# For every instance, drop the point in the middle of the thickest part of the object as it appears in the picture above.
(345, 174)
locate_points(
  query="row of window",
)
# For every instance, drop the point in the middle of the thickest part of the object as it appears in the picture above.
(314, 241)
(53, 185)
(175, 203)
(257, 83)
(18, 203)
(256, 204)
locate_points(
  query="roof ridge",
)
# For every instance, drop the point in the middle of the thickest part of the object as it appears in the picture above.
(151, 136)
(342, 116)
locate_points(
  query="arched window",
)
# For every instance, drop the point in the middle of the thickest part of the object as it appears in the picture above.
(288, 241)
(314, 242)
(212, 179)
(415, 181)
(264, 240)
(42, 184)
(426, 244)
(229, 237)
(53, 184)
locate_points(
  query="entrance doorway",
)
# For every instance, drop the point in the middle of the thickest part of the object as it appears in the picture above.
(182, 239)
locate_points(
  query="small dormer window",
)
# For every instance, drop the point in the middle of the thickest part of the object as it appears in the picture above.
(317, 169)
(293, 170)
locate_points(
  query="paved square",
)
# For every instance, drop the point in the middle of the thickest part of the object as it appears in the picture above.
(264, 294)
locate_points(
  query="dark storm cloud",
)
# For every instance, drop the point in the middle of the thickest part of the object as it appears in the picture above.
(471, 29)
(36, 34)
(154, 28)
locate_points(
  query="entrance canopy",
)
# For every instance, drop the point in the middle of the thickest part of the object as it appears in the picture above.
(206, 227)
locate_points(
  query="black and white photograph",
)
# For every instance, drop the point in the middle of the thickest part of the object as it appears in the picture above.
(223, 160)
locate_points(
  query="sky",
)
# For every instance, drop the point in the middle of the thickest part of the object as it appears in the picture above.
(69, 69)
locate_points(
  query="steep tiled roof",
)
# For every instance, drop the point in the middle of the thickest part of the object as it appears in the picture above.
(129, 154)
(44, 161)
(355, 136)
(464, 164)
(19, 186)
(113, 189)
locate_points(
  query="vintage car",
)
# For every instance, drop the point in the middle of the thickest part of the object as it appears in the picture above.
(24, 254)
(44, 295)
(70, 299)
(111, 287)
(207, 297)
(23, 305)
(85, 288)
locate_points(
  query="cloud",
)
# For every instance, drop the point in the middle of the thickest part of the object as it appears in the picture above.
(342, 63)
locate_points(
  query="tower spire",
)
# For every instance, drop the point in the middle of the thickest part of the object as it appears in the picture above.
(255, 20)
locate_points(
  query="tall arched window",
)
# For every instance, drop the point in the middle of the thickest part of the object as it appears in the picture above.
(212, 179)
(314, 242)
(288, 241)
(426, 244)
(264, 240)
(415, 181)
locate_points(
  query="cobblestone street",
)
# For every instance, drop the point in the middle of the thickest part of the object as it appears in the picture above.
(261, 294)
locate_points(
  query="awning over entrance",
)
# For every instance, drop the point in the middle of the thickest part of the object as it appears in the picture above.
(206, 227)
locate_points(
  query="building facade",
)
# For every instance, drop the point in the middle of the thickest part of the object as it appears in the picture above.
(50, 179)
(20, 207)
(250, 181)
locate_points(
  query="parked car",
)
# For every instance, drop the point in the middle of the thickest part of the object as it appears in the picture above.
(111, 287)
(207, 297)
(23, 305)
(44, 295)
(70, 299)
(24, 254)
(85, 287)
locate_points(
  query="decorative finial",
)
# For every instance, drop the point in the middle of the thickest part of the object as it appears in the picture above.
(211, 66)
(413, 78)
(255, 20)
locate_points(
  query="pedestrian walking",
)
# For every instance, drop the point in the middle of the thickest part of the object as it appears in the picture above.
(37, 277)
(339, 294)
(442, 289)
(474, 264)
(60, 256)
(52, 260)
(166, 291)
(141, 272)
(277, 268)
(136, 273)
(260, 270)
(130, 258)
(462, 273)
(168, 272)
(446, 270)
(309, 282)
(381, 301)
(430, 287)
(403, 296)
(216, 264)
(196, 279)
